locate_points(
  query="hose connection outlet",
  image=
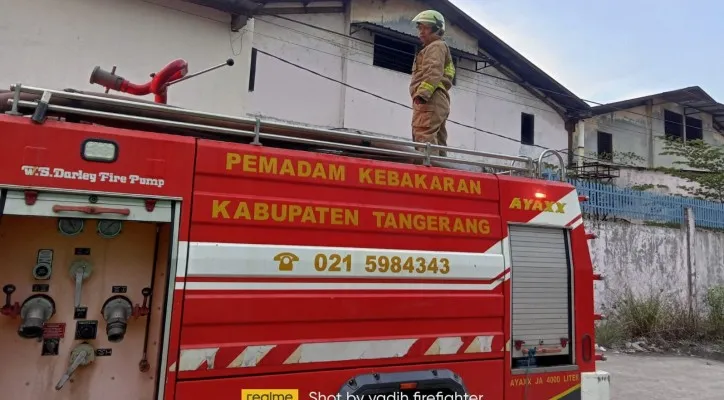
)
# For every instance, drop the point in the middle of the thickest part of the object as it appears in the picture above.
(116, 311)
(35, 312)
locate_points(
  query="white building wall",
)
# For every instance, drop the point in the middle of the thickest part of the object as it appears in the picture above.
(285, 92)
(631, 133)
(57, 44)
(479, 101)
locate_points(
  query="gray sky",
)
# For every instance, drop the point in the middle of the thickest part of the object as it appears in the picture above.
(608, 50)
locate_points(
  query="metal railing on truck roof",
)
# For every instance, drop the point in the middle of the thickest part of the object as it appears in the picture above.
(103, 109)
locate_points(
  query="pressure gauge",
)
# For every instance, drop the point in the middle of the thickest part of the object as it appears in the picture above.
(70, 226)
(109, 228)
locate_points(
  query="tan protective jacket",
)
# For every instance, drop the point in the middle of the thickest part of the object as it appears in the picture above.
(432, 69)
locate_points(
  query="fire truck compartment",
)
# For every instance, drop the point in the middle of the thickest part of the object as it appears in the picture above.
(540, 295)
(85, 282)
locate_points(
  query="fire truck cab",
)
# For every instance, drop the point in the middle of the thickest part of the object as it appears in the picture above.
(154, 252)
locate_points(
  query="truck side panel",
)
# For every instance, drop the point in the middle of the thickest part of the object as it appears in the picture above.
(303, 262)
(553, 205)
(48, 158)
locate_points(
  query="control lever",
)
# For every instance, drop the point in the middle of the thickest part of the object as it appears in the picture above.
(143, 365)
(10, 309)
(82, 355)
(80, 270)
(143, 310)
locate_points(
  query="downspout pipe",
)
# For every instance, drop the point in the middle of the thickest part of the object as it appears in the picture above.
(580, 149)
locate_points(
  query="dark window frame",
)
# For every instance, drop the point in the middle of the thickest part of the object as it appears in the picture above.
(694, 129)
(394, 48)
(393, 54)
(527, 129)
(252, 70)
(673, 125)
(601, 138)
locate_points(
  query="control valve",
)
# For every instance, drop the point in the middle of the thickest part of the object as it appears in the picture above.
(143, 310)
(10, 309)
(82, 355)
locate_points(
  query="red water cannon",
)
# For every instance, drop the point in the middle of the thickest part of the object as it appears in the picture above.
(174, 72)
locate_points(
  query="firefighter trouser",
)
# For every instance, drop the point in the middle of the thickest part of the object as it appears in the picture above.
(428, 121)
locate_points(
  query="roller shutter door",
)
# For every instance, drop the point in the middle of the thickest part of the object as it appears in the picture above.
(540, 287)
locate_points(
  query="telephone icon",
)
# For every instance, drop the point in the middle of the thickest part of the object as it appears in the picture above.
(286, 261)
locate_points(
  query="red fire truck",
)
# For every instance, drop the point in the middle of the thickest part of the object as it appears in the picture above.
(155, 252)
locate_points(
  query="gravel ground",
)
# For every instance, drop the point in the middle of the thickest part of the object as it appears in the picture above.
(645, 377)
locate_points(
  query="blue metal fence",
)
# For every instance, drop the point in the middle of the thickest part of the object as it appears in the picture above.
(617, 202)
(614, 201)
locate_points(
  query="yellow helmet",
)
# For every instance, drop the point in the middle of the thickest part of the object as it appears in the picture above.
(431, 17)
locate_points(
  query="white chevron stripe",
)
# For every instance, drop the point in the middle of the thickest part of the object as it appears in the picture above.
(251, 356)
(577, 223)
(481, 344)
(193, 359)
(444, 346)
(358, 350)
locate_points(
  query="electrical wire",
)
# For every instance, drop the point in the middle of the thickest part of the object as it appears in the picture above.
(457, 87)
(404, 52)
(475, 129)
(408, 107)
(396, 50)
(395, 63)
(572, 96)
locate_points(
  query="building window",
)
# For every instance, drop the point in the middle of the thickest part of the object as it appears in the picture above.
(527, 125)
(694, 129)
(673, 125)
(252, 70)
(393, 54)
(605, 146)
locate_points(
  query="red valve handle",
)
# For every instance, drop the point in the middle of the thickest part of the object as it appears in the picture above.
(545, 350)
(92, 210)
(10, 309)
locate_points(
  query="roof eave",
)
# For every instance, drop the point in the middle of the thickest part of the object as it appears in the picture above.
(575, 106)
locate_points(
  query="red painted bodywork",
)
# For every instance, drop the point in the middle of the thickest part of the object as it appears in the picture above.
(194, 171)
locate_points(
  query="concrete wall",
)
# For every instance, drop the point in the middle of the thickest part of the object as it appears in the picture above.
(632, 133)
(56, 44)
(649, 259)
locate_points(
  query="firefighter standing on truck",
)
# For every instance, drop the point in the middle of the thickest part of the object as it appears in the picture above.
(432, 75)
